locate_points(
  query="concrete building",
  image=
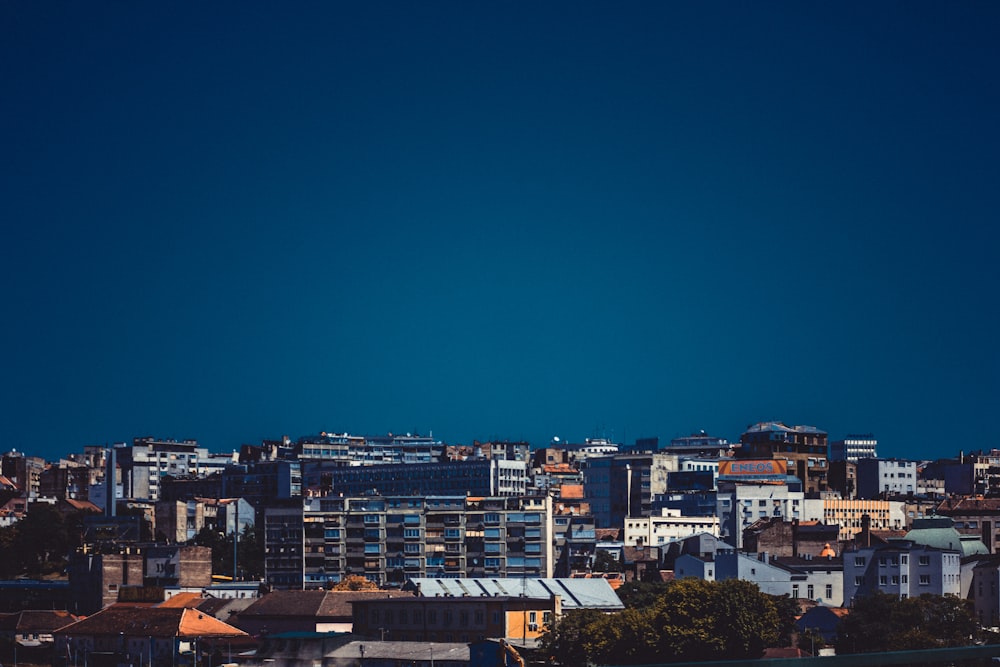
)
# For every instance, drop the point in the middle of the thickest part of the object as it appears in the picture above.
(885, 478)
(97, 578)
(853, 448)
(478, 477)
(903, 569)
(850, 514)
(624, 485)
(803, 447)
(667, 526)
(751, 490)
(148, 460)
(392, 538)
(464, 619)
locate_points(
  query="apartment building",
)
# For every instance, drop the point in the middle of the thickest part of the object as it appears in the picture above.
(668, 525)
(148, 460)
(850, 514)
(393, 538)
(901, 568)
(624, 485)
(478, 477)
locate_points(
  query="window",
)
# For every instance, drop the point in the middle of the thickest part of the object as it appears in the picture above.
(904, 559)
(795, 590)
(925, 580)
(904, 578)
(859, 561)
(924, 560)
(883, 580)
(882, 561)
(859, 581)
(809, 591)
(895, 580)
(829, 591)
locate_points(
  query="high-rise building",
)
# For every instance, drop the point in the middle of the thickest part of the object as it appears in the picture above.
(392, 538)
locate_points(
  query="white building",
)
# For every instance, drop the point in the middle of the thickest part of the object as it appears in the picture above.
(740, 504)
(669, 525)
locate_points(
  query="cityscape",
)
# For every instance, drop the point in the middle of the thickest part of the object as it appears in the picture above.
(440, 334)
(405, 544)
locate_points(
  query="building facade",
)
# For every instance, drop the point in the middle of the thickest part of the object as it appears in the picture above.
(393, 538)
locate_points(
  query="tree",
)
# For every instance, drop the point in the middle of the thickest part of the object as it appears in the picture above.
(605, 562)
(788, 612)
(689, 620)
(355, 582)
(882, 622)
(572, 639)
(641, 594)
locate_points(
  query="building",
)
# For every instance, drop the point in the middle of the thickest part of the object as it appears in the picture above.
(975, 516)
(156, 637)
(853, 448)
(750, 490)
(985, 591)
(305, 611)
(700, 445)
(148, 460)
(803, 447)
(793, 539)
(388, 539)
(96, 579)
(850, 515)
(903, 569)
(25, 472)
(478, 477)
(667, 526)
(623, 485)
(461, 619)
(884, 478)
(575, 593)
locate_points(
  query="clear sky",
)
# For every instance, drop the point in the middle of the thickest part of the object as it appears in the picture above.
(233, 221)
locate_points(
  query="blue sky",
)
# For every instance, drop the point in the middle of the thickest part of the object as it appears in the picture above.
(237, 220)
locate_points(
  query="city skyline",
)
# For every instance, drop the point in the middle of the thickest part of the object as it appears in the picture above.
(233, 221)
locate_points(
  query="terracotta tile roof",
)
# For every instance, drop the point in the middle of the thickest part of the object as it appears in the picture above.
(133, 621)
(82, 505)
(571, 491)
(187, 600)
(607, 534)
(44, 621)
(969, 505)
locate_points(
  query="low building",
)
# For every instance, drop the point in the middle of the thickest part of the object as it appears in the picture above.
(574, 593)
(156, 637)
(669, 525)
(450, 619)
(304, 611)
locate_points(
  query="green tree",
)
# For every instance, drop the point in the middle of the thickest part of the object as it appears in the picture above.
(641, 594)
(572, 640)
(788, 612)
(689, 620)
(882, 622)
(605, 562)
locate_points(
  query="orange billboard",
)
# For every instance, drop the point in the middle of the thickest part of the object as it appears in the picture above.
(753, 468)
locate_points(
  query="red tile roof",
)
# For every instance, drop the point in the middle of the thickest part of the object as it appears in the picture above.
(158, 622)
